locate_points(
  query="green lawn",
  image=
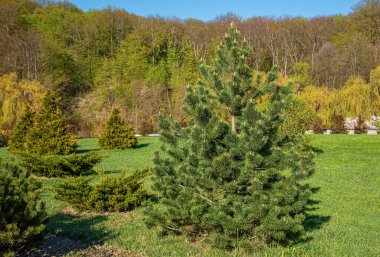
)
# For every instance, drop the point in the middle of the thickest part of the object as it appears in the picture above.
(344, 220)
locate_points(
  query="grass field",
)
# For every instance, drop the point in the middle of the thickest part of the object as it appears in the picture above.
(344, 220)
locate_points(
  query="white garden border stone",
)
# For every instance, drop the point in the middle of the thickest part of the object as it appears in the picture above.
(327, 131)
(372, 131)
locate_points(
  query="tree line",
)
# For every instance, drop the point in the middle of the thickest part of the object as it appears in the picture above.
(99, 60)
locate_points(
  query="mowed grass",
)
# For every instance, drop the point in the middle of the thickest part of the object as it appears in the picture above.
(344, 219)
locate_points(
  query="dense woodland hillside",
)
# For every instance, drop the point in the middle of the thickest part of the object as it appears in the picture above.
(104, 59)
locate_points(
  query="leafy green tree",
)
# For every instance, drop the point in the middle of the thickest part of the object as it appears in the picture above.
(49, 134)
(117, 134)
(22, 214)
(237, 181)
(20, 132)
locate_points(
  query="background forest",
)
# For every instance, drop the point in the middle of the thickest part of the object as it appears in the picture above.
(99, 60)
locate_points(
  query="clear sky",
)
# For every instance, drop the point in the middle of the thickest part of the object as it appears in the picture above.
(209, 9)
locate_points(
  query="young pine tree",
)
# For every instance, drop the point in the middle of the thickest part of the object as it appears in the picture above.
(18, 139)
(117, 135)
(230, 175)
(22, 214)
(49, 134)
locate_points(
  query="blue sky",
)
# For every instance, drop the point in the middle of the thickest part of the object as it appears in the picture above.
(209, 9)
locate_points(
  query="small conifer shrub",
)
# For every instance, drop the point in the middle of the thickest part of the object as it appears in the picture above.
(117, 135)
(147, 127)
(49, 134)
(360, 127)
(318, 126)
(338, 124)
(22, 214)
(229, 175)
(59, 166)
(111, 194)
(18, 139)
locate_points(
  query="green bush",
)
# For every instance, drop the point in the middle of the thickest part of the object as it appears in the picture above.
(22, 214)
(59, 166)
(117, 135)
(49, 134)
(111, 194)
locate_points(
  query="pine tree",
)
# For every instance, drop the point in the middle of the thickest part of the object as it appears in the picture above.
(49, 134)
(18, 139)
(234, 181)
(22, 214)
(117, 134)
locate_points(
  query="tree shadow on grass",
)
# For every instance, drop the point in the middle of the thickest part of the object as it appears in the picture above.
(315, 190)
(68, 233)
(108, 172)
(141, 146)
(316, 150)
(80, 151)
(313, 221)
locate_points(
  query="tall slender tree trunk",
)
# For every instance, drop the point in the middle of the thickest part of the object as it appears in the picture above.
(233, 123)
(136, 119)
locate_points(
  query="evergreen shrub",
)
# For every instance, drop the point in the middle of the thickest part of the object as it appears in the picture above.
(22, 214)
(338, 124)
(111, 194)
(59, 166)
(318, 126)
(147, 127)
(360, 127)
(117, 135)
(49, 134)
(18, 139)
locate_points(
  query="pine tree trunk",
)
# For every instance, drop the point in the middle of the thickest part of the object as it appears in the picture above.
(233, 123)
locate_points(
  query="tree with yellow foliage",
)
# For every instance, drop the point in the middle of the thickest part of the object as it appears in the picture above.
(15, 95)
